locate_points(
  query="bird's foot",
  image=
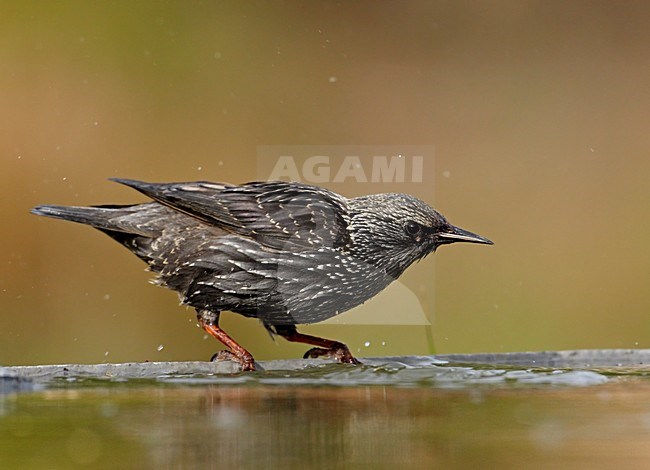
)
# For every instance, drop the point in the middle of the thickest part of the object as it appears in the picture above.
(340, 352)
(246, 362)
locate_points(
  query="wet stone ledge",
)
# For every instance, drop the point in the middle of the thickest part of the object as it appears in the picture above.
(575, 359)
(19, 378)
(12, 381)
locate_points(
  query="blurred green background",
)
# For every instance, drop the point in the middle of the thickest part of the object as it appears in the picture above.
(538, 111)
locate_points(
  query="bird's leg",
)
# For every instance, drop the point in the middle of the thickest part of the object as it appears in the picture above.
(325, 347)
(209, 321)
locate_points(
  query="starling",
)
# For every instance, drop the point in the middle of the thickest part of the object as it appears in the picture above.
(285, 253)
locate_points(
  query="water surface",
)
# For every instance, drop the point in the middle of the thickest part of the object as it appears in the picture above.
(336, 416)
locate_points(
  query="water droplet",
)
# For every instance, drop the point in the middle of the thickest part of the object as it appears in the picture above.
(160, 347)
(366, 344)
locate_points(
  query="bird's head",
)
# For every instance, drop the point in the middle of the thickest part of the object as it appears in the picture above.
(392, 231)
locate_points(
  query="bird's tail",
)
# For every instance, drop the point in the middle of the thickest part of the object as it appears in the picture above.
(98, 216)
(83, 215)
(134, 226)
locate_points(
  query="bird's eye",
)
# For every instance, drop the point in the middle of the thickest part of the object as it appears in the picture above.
(412, 228)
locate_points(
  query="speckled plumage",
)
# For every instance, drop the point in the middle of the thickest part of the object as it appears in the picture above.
(286, 253)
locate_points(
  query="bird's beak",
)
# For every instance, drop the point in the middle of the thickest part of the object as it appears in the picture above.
(454, 234)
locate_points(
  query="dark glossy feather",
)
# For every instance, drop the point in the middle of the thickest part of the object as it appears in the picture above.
(276, 214)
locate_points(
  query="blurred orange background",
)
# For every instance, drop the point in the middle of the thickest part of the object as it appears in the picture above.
(538, 111)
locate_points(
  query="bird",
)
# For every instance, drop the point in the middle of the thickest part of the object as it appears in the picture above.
(286, 253)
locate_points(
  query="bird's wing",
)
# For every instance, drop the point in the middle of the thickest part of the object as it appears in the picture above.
(277, 214)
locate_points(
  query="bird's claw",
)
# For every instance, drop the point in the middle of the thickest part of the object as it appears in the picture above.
(247, 363)
(340, 353)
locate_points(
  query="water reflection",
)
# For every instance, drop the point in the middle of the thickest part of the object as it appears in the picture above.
(243, 426)
(281, 427)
